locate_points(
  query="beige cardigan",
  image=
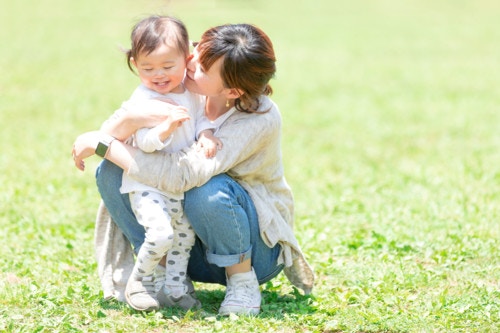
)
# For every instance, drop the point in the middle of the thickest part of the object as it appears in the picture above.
(252, 156)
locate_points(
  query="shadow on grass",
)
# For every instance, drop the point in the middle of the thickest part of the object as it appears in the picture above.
(274, 304)
(112, 304)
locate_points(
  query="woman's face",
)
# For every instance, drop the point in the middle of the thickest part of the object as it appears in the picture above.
(201, 81)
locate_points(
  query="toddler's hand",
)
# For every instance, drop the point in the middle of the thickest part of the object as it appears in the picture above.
(209, 143)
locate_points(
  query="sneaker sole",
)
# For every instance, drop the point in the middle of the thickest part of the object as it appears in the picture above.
(239, 311)
(151, 308)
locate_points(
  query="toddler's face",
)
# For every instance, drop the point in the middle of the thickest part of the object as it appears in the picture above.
(161, 70)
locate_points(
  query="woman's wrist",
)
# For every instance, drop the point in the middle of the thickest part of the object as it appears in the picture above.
(85, 146)
(121, 154)
(103, 145)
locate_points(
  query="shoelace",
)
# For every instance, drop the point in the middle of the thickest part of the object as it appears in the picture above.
(241, 292)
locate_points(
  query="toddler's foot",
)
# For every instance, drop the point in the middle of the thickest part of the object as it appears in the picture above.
(171, 296)
(140, 293)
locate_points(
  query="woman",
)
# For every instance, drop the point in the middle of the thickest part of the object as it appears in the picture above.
(238, 202)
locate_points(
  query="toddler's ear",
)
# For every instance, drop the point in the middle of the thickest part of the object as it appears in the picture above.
(132, 61)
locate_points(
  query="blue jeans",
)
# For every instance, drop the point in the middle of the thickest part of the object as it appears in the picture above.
(222, 215)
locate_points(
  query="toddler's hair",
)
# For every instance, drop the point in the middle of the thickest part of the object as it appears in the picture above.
(153, 31)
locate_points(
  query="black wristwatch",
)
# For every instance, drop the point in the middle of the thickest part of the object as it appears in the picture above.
(103, 145)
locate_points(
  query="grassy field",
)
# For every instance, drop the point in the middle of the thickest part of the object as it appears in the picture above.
(391, 141)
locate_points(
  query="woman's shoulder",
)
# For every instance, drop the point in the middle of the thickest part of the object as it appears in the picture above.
(268, 106)
(266, 103)
(268, 112)
(265, 122)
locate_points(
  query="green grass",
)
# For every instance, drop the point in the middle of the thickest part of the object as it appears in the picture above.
(391, 143)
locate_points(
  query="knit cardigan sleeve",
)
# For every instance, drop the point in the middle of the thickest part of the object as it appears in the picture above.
(244, 137)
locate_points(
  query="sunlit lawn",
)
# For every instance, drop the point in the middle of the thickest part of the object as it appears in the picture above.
(391, 136)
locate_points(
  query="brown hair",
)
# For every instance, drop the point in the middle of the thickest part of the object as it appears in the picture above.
(149, 33)
(248, 62)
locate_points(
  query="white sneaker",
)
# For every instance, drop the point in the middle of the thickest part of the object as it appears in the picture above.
(242, 295)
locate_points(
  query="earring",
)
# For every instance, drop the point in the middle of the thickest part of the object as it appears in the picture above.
(227, 103)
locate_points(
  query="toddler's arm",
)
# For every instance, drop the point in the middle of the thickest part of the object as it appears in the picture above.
(148, 139)
(158, 137)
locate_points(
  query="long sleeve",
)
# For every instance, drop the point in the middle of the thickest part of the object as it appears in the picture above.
(148, 140)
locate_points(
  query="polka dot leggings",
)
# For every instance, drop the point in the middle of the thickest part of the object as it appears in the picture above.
(167, 231)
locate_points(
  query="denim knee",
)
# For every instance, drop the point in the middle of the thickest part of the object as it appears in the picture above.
(223, 217)
(202, 197)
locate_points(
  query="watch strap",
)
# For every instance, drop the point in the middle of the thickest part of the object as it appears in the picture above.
(103, 146)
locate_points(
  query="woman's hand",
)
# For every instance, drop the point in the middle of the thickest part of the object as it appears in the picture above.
(84, 147)
(134, 116)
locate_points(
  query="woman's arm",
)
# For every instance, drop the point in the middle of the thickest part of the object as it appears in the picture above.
(119, 153)
(247, 138)
(133, 116)
(249, 141)
(122, 124)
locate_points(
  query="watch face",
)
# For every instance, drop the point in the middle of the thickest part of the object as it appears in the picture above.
(101, 149)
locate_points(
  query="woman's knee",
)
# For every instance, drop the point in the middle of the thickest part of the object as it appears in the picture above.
(202, 197)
